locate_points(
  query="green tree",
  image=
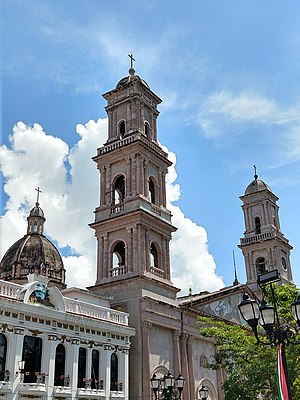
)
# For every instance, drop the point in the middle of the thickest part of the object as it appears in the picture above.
(251, 367)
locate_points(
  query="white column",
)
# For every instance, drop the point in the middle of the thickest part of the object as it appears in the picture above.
(48, 362)
(72, 351)
(16, 349)
(105, 370)
(126, 374)
(88, 363)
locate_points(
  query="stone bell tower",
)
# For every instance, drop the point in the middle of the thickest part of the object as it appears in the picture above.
(132, 225)
(264, 246)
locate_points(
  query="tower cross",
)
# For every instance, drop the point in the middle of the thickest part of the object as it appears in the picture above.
(38, 194)
(131, 60)
(255, 172)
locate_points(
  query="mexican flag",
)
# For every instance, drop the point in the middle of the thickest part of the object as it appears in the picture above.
(281, 375)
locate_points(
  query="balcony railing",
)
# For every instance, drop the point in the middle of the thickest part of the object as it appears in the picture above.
(116, 387)
(262, 236)
(8, 289)
(117, 208)
(5, 385)
(11, 290)
(116, 271)
(157, 272)
(128, 140)
(93, 311)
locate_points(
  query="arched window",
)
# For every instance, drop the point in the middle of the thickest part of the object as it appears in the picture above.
(119, 190)
(35, 227)
(152, 191)
(261, 265)
(118, 259)
(81, 367)
(257, 226)
(59, 372)
(114, 375)
(32, 355)
(153, 257)
(3, 350)
(95, 368)
(122, 129)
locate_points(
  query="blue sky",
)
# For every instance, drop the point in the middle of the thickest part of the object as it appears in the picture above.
(228, 75)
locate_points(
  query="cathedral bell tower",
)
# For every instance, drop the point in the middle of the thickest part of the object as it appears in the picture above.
(132, 225)
(264, 246)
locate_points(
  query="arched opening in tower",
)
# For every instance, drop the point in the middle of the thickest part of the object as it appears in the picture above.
(153, 257)
(118, 259)
(122, 129)
(119, 190)
(152, 191)
(257, 226)
(261, 265)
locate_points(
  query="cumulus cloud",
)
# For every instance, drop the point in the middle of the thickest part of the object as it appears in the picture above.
(70, 192)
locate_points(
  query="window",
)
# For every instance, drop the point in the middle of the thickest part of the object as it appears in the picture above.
(3, 349)
(60, 357)
(81, 367)
(151, 191)
(283, 263)
(122, 129)
(153, 256)
(32, 355)
(114, 372)
(257, 226)
(261, 265)
(95, 368)
(118, 259)
(119, 190)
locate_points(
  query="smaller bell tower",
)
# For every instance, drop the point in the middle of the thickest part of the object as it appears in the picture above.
(264, 246)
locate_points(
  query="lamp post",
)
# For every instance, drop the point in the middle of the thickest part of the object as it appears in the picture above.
(266, 315)
(203, 393)
(168, 387)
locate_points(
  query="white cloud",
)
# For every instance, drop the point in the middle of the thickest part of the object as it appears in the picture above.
(244, 107)
(70, 184)
(192, 265)
(225, 116)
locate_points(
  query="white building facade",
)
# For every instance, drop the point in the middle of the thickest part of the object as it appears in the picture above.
(60, 345)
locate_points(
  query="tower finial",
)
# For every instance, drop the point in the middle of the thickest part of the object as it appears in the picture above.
(236, 281)
(255, 172)
(38, 195)
(131, 69)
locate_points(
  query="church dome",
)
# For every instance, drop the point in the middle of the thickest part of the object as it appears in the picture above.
(37, 211)
(131, 78)
(33, 253)
(256, 186)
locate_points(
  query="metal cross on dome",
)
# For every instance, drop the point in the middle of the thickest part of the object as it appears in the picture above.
(38, 194)
(255, 172)
(131, 60)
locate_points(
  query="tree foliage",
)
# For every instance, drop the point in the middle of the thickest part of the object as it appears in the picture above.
(251, 367)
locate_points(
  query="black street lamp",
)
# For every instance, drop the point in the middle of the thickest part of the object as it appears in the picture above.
(168, 387)
(203, 393)
(266, 315)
